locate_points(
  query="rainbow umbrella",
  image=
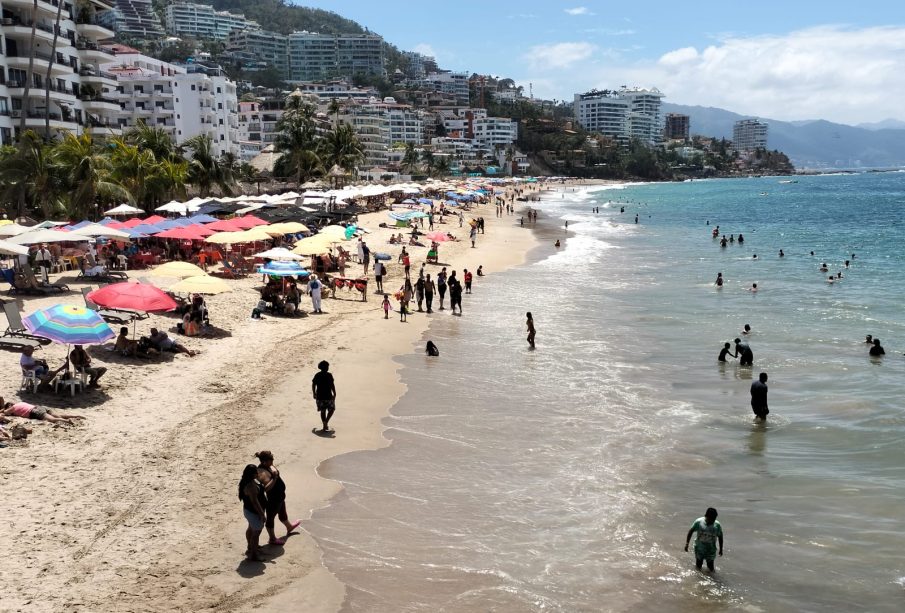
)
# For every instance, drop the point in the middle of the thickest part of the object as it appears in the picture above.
(69, 325)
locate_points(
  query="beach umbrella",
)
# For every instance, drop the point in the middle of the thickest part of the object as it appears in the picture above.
(131, 223)
(133, 233)
(145, 228)
(254, 235)
(186, 234)
(225, 238)
(135, 296)
(249, 221)
(202, 284)
(7, 248)
(425, 201)
(124, 209)
(283, 269)
(168, 224)
(12, 229)
(314, 245)
(286, 227)
(154, 219)
(202, 218)
(46, 236)
(438, 237)
(278, 253)
(177, 270)
(338, 233)
(69, 325)
(96, 230)
(224, 225)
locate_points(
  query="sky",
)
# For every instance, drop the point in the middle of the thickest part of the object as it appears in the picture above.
(790, 60)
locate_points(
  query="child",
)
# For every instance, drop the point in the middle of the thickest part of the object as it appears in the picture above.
(708, 530)
(386, 306)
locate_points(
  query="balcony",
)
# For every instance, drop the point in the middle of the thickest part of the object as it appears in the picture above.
(95, 103)
(19, 28)
(98, 78)
(88, 27)
(19, 59)
(90, 52)
(36, 119)
(63, 94)
(46, 6)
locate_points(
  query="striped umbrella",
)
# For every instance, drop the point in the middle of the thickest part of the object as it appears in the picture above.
(68, 324)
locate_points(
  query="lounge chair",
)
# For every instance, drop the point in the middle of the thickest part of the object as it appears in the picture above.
(112, 316)
(229, 270)
(108, 276)
(9, 275)
(15, 328)
(9, 343)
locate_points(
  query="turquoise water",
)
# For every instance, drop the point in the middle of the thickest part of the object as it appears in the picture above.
(564, 479)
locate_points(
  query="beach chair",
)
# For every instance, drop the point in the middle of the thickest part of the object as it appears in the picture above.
(17, 344)
(14, 326)
(9, 275)
(112, 316)
(229, 270)
(30, 381)
(110, 276)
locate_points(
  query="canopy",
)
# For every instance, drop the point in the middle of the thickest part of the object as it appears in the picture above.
(13, 229)
(283, 269)
(46, 236)
(186, 234)
(97, 229)
(124, 209)
(8, 248)
(68, 324)
(315, 245)
(177, 270)
(202, 284)
(278, 253)
(129, 295)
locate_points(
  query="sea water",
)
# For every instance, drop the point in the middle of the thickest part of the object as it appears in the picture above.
(565, 478)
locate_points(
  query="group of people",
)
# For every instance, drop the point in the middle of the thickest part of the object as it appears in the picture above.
(424, 289)
(263, 495)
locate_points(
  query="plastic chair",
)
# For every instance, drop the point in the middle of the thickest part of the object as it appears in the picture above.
(67, 380)
(30, 381)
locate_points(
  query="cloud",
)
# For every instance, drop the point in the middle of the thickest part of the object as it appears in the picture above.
(425, 49)
(559, 55)
(828, 72)
(579, 10)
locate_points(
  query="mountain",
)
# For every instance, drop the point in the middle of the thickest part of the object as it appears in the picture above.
(809, 144)
(894, 124)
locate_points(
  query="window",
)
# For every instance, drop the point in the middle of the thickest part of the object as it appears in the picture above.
(139, 89)
(221, 137)
(218, 91)
(159, 104)
(6, 136)
(221, 122)
(193, 87)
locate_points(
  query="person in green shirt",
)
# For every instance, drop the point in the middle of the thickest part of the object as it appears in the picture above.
(709, 532)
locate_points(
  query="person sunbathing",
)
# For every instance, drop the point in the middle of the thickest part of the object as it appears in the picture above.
(30, 411)
(162, 342)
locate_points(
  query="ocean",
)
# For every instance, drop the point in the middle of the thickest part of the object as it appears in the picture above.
(565, 478)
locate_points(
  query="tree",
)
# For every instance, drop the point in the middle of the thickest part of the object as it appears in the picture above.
(296, 141)
(427, 157)
(134, 169)
(342, 148)
(442, 166)
(205, 170)
(153, 139)
(87, 175)
(410, 158)
(334, 108)
(47, 80)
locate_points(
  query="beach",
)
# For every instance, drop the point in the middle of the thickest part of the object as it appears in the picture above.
(135, 508)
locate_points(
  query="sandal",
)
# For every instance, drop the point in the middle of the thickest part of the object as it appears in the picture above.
(277, 542)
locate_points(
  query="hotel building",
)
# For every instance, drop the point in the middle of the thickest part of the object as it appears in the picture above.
(749, 134)
(202, 21)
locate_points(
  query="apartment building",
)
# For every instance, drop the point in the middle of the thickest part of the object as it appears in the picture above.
(676, 127)
(317, 57)
(134, 19)
(419, 66)
(495, 132)
(339, 89)
(454, 84)
(78, 88)
(184, 101)
(621, 114)
(257, 49)
(749, 134)
(202, 21)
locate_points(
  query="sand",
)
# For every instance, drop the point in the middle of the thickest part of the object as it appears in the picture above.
(135, 508)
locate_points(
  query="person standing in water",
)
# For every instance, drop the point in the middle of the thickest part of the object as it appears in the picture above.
(323, 390)
(759, 397)
(877, 350)
(724, 352)
(719, 280)
(530, 324)
(709, 533)
(746, 356)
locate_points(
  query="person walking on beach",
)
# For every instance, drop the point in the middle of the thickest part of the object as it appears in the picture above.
(759, 397)
(473, 235)
(709, 533)
(441, 285)
(365, 257)
(275, 489)
(379, 271)
(530, 324)
(324, 392)
(429, 289)
(251, 493)
(386, 306)
(314, 288)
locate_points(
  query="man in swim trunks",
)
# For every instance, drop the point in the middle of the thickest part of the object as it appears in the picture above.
(324, 391)
(709, 532)
(759, 397)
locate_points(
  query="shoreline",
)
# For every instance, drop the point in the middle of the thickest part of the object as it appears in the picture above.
(135, 509)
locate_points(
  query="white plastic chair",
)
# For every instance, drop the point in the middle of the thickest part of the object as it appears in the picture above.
(71, 382)
(30, 381)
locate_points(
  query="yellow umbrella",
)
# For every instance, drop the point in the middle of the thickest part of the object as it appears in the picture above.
(202, 284)
(255, 234)
(177, 270)
(286, 227)
(338, 233)
(3, 222)
(224, 238)
(314, 245)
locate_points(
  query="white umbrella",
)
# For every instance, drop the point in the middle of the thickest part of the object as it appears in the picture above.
(97, 229)
(8, 248)
(279, 253)
(13, 229)
(46, 236)
(123, 209)
(174, 207)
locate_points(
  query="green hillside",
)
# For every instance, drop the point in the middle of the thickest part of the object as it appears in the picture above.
(285, 18)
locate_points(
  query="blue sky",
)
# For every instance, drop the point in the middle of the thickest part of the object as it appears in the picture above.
(784, 60)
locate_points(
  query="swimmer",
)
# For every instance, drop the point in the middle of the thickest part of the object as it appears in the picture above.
(754, 257)
(556, 244)
(839, 275)
(831, 279)
(753, 288)
(876, 351)
(719, 280)
(723, 242)
(741, 239)
(824, 267)
(869, 339)
(747, 329)
(812, 253)
(732, 238)
(724, 352)
(781, 254)
(846, 263)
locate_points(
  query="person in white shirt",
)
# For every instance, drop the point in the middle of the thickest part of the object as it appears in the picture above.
(44, 259)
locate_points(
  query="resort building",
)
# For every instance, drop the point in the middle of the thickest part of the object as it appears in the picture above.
(621, 114)
(318, 57)
(79, 90)
(495, 132)
(258, 49)
(454, 84)
(202, 21)
(133, 19)
(339, 89)
(676, 127)
(749, 134)
(419, 66)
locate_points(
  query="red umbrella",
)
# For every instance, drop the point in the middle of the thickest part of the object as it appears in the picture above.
(185, 233)
(224, 225)
(132, 222)
(135, 296)
(249, 221)
(153, 219)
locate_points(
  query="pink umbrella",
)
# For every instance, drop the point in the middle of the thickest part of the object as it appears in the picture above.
(250, 221)
(132, 222)
(153, 219)
(224, 225)
(186, 234)
(438, 237)
(135, 296)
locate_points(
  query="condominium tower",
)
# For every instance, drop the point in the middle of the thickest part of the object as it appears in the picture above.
(749, 134)
(202, 21)
(623, 114)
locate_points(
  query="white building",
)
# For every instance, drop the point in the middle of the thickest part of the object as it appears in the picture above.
(183, 104)
(621, 114)
(749, 134)
(78, 88)
(495, 132)
(381, 124)
(452, 83)
(133, 18)
(202, 21)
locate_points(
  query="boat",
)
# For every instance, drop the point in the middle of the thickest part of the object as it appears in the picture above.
(787, 181)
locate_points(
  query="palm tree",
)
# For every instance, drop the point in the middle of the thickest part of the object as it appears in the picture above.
(410, 158)
(154, 139)
(334, 108)
(205, 170)
(134, 169)
(341, 147)
(29, 73)
(28, 176)
(47, 80)
(429, 162)
(296, 141)
(442, 166)
(87, 174)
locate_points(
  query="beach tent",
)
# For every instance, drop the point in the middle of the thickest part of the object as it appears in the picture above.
(124, 209)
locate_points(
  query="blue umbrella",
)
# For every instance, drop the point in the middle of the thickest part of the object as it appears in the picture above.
(106, 220)
(202, 219)
(284, 269)
(146, 228)
(167, 224)
(425, 201)
(68, 324)
(183, 221)
(81, 224)
(133, 233)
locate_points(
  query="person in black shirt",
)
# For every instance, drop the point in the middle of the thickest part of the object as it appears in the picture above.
(759, 397)
(724, 352)
(877, 350)
(324, 392)
(744, 353)
(251, 493)
(276, 499)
